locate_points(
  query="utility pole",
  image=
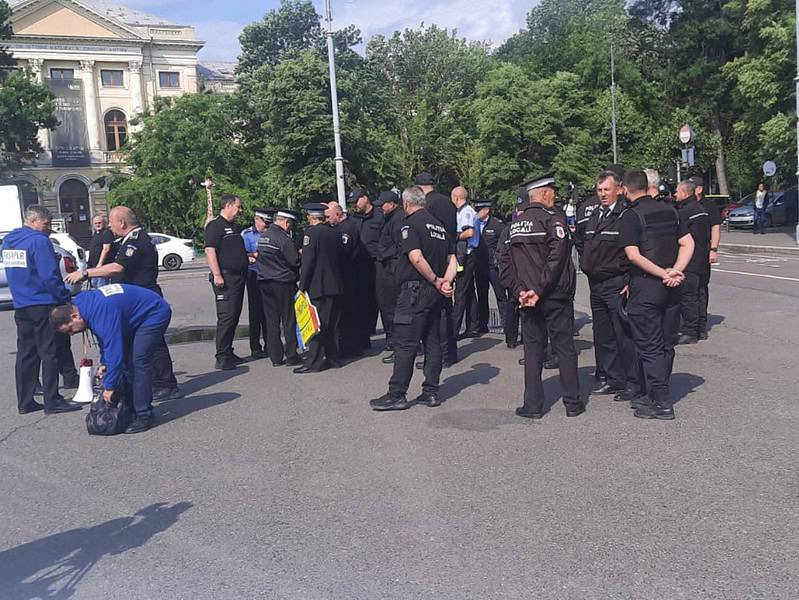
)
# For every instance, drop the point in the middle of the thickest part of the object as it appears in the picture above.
(613, 99)
(331, 59)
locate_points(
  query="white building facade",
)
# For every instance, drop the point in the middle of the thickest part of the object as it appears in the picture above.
(105, 64)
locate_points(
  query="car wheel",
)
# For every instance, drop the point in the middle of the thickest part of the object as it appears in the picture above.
(172, 262)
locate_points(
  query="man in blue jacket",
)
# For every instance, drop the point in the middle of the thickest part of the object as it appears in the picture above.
(35, 281)
(129, 322)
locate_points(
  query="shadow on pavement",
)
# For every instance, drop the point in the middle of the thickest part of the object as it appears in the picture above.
(713, 320)
(53, 567)
(476, 345)
(479, 374)
(683, 384)
(180, 407)
(552, 393)
(475, 419)
(197, 383)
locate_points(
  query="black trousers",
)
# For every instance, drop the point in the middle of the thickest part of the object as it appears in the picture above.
(501, 296)
(279, 309)
(704, 300)
(447, 334)
(163, 376)
(255, 311)
(350, 336)
(323, 347)
(66, 362)
(229, 302)
(553, 318)
(465, 295)
(367, 315)
(613, 346)
(691, 305)
(511, 327)
(36, 346)
(654, 317)
(417, 319)
(387, 295)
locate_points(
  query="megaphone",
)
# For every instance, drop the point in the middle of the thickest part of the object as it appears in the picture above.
(85, 392)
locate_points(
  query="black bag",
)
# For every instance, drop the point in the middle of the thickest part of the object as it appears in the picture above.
(109, 419)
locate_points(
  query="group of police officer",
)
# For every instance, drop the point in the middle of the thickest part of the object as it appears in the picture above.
(647, 259)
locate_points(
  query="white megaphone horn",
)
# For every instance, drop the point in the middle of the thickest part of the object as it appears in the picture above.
(85, 393)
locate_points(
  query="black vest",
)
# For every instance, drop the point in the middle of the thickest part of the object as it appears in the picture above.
(659, 229)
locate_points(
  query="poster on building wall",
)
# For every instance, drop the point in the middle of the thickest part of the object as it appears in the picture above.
(69, 141)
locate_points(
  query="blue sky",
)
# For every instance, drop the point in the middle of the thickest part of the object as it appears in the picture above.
(219, 23)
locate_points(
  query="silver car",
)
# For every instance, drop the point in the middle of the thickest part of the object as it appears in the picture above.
(66, 262)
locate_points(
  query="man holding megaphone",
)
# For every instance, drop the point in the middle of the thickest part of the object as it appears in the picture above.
(129, 322)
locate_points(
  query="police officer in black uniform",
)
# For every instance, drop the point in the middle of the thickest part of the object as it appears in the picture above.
(388, 254)
(320, 277)
(486, 266)
(255, 304)
(607, 268)
(697, 271)
(714, 214)
(136, 263)
(538, 269)
(353, 258)
(370, 222)
(442, 208)
(227, 259)
(424, 274)
(278, 267)
(659, 247)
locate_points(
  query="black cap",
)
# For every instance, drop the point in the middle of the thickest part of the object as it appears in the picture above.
(483, 203)
(287, 213)
(698, 180)
(315, 209)
(547, 180)
(618, 169)
(424, 178)
(388, 196)
(355, 194)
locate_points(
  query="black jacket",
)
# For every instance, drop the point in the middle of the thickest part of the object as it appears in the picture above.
(698, 221)
(320, 273)
(602, 258)
(369, 228)
(389, 249)
(278, 259)
(538, 255)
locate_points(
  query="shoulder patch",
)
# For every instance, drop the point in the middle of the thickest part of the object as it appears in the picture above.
(130, 250)
(135, 234)
(111, 289)
(306, 240)
(405, 231)
(345, 238)
(559, 231)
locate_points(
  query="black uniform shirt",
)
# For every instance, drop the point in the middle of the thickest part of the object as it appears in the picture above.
(390, 236)
(444, 210)
(99, 239)
(584, 211)
(602, 258)
(712, 209)
(225, 238)
(369, 227)
(538, 257)
(422, 231)
(630, 228)
(320, 273)
(489, 237)
(278, 259)
(694, 215)
(350, 247)
(138, 256)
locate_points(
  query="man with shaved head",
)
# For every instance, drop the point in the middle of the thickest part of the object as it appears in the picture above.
(136, 263)
(467, 241)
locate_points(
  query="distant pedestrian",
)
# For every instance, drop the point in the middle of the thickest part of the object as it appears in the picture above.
(762, 200)
(100, 247)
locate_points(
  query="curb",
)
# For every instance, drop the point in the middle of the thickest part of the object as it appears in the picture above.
(752, 249)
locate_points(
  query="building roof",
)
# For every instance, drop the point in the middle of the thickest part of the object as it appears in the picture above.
(121, 14)
(217, 70)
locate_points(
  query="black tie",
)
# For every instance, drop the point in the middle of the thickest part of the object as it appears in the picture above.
(605, 213)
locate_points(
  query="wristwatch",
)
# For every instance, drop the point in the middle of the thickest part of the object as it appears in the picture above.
(714, 249)
(85, 274)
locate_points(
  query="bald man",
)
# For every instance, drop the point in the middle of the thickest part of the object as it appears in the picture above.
(136, 263)
(466, 245)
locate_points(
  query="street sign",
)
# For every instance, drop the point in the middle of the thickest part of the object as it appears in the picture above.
(686, 134)
(769, 168)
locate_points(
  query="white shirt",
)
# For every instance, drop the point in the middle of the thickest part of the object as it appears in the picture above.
(760, 198)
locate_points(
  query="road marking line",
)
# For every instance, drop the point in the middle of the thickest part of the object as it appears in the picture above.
(757, 275)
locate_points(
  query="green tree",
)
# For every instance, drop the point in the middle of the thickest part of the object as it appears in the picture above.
(180, 142)
(6, 60)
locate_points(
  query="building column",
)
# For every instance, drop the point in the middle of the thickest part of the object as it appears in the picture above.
(90, 100)
(36, 66)
(134, 73)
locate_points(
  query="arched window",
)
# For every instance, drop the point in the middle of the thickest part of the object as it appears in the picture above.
(116, 129)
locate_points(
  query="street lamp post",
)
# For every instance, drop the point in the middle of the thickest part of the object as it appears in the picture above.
(613, 99)
(331, 59)
(796, 81)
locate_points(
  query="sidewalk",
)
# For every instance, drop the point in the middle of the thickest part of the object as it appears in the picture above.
(779, 240)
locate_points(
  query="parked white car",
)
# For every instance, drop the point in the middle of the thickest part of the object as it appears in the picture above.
(172, 251)
(66, 262)
(68, 243)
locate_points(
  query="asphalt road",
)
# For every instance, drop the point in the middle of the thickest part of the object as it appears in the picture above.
(263, 484)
